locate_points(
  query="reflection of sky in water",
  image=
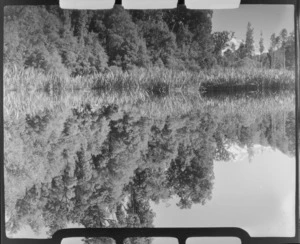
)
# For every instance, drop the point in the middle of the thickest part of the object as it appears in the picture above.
(258, 196)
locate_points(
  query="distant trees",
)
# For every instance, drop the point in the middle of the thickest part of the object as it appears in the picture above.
(284, 38)
(290, 51)
(282, 50)
(280, 53)
(86, 42)
(220, 40)
(232, 54)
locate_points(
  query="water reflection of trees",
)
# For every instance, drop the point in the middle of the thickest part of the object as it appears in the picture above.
(103, 167)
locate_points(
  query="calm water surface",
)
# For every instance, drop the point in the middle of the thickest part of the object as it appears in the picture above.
(132, 160)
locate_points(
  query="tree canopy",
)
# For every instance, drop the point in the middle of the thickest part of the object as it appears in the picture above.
(84, 42)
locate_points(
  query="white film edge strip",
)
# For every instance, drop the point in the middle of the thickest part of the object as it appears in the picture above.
(149, 4)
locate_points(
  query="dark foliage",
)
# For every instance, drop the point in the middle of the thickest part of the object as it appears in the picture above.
(85, 42)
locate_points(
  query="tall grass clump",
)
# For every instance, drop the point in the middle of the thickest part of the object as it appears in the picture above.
(156, 81)
(18, 78)
(22, 79)
(18, 105)
(247, 79)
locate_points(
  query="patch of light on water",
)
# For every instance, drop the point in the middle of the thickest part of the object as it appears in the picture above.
(258, 196)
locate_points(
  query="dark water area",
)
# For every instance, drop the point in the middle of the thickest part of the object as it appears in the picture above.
(255, 94)
(111, 165)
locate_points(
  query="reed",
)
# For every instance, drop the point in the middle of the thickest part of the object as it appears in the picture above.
(155, 81)
(248, 79)
(17, 105)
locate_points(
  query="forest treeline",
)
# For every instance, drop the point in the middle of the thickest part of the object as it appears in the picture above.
(85, 42)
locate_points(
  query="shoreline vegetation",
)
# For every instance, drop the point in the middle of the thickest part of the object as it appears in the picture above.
(177, 103)
(155, 81)
(155, 51)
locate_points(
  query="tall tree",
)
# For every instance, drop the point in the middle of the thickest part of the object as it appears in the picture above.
(79, 19)
(122, 43)
(290, 51)
(261, 46)
(160, 41)
(249, 44)
(284, 39)
(272, 49)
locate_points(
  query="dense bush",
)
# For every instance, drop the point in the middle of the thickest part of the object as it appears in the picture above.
(80, 43)
(246, 63)
(86, 42)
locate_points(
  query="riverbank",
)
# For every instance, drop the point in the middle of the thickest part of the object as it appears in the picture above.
(154, 81)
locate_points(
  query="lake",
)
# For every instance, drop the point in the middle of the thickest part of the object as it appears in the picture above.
(133, 159)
